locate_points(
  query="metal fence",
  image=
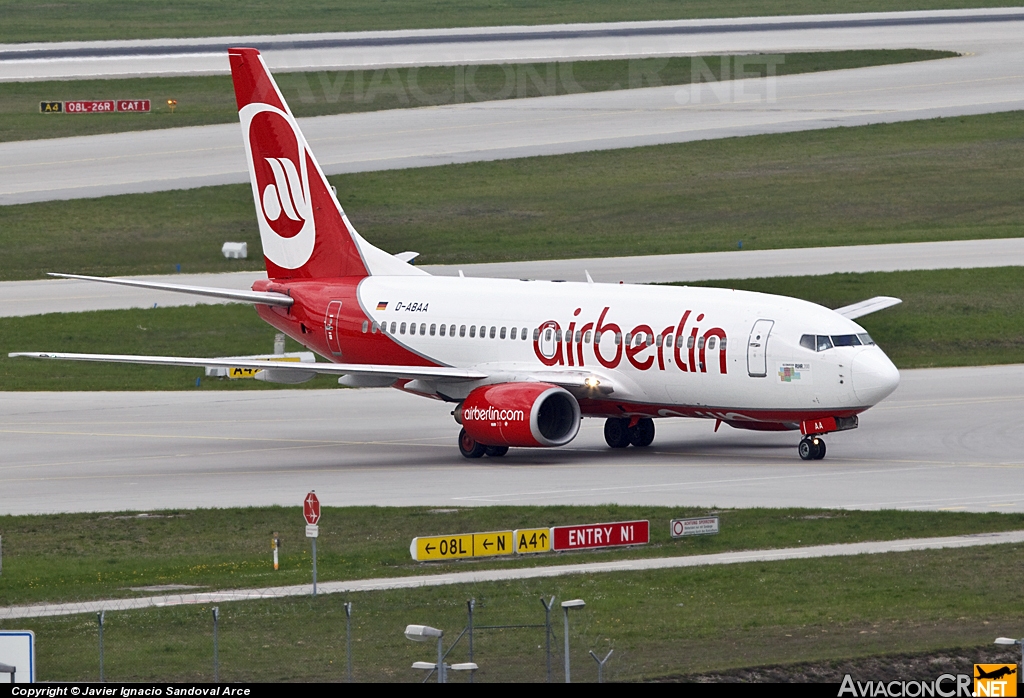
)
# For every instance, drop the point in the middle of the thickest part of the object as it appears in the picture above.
(359, 639)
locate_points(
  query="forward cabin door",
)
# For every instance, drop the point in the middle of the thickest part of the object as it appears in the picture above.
(332, 323)
(757, 348)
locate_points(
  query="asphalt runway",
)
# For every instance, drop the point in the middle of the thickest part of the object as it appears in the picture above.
(20, 298)
(478, 45)
(948, 439)
(988, 78)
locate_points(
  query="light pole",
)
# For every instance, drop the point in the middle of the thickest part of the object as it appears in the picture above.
(424, 633)
(1010, 642)
(566, 605)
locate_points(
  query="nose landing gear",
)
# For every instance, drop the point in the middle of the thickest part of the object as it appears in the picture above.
(811, 448)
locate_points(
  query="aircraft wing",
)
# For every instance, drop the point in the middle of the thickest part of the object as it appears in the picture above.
(262, 297)
(282, 367)
(867, 307)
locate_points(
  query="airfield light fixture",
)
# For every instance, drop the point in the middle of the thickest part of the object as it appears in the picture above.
(1010, 642)
(566, 606)
(425, 633)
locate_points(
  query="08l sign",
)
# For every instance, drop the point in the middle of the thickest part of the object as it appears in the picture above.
(602, 535)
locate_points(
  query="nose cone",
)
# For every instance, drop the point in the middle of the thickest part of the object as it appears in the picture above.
(874, 376)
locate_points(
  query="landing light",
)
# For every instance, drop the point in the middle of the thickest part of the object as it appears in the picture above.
(591, 382)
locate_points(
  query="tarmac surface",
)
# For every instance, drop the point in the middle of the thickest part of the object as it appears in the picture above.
(948, 439)
(20, 298)
(988, 77)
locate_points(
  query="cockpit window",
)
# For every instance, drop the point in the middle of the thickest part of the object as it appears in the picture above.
(845, 340)
(823, 342)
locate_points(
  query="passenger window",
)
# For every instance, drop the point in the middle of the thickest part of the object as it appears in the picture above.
(493, 330)
(401, 330)
(689, 342)
(514, 333)
(451, 331)
(462, 331)
(472, 330)
(629, 338)
(668, 340)
(659, 340)
(721, 344)
(501, 333)
(443, 328)
(807, 342)
(547, 335)
(412, 328)
(700, 343)
(586, 337)
(423, 328)
(558, 335)
(824, 342)
(366, 325)
(392, 328)
(711, 342)
(618, 338)
(523, 334)
(536, 334)
(650, 339)
(374, 327)
(433, 328)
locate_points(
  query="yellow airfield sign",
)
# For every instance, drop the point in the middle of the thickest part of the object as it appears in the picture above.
(532, 540)
(460, 546)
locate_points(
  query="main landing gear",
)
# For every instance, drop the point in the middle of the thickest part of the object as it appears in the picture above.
(471, 448)
(811, 448)
(621, 432)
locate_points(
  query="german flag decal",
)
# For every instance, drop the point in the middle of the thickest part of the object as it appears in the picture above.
(383, 305)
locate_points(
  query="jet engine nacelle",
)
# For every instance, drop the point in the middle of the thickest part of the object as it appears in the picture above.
(520, 414)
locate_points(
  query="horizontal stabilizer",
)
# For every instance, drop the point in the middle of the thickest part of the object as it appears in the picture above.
(261, 297)
(871, 305)
(279, 367)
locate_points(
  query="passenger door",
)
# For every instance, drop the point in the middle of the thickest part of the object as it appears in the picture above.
(757, 349)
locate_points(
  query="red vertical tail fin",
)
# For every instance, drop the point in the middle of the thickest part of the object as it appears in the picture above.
(304, 231)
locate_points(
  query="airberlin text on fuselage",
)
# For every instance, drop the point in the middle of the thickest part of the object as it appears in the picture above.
(689, 344)
(475, 414)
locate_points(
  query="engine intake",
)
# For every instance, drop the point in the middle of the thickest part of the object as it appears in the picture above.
(520, 414)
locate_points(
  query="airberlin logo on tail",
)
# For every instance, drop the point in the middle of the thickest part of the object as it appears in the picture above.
(285, 196)
(280, 179)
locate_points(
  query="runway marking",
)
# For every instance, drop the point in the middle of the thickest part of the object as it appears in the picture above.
(519, 573)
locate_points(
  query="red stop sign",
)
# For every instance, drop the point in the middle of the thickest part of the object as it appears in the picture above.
(311, 508)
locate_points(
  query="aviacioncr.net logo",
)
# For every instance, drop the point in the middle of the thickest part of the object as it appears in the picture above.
(280, 179)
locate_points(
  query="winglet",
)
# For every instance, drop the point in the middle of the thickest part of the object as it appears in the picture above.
(871, 305)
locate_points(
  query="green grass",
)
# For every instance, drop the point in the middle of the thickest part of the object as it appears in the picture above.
(75, 557)
(211, 99)
(659, 622)
(949, 317)
(143, 19)
(841, 186)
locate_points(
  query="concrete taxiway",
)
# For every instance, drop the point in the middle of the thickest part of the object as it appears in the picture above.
(20, 298)
(989, 77)
(947, 439)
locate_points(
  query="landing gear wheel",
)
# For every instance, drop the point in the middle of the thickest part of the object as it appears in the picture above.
(495, 451)
(811, 448)
(642, 434)
(469, 447)
(616, 432)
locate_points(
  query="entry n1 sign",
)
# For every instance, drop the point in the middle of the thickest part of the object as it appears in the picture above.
(602, 535)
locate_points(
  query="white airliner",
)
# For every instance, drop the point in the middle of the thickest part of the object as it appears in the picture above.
(524, 361)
